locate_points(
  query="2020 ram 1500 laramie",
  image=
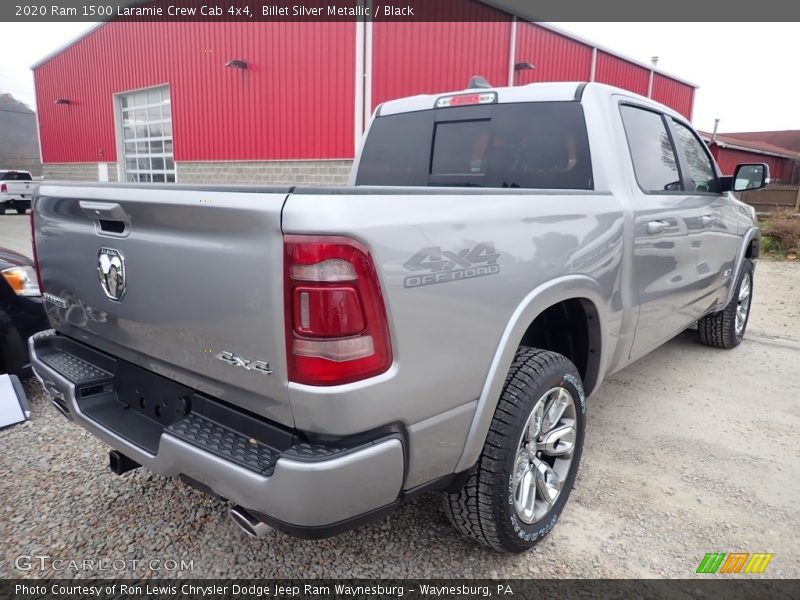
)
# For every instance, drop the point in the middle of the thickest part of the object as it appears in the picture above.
(318, 355)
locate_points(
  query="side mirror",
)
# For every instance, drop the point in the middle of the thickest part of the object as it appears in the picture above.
(750, 177)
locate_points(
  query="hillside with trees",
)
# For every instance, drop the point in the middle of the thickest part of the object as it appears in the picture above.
(19, 143)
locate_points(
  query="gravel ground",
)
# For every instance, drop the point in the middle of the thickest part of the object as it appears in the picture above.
(690, 450)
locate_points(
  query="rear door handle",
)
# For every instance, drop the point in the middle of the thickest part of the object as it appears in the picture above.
(707, 220)
(656, 227)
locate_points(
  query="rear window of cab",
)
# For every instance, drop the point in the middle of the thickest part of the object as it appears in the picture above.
(536, 145)
(15, 176)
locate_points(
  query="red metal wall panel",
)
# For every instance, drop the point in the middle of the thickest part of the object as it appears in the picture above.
(621, 73)
(555, 57)
(674, 94)
(295, 101)
(297, 98)
(411, 58)
(728, 158)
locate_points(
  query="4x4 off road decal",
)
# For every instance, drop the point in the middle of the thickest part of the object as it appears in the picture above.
(443, 265)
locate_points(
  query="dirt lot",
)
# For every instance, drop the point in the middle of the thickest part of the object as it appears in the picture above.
(15, 232)
(690, 450)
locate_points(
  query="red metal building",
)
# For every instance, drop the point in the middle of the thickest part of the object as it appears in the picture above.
(161, 101)
(731, 149)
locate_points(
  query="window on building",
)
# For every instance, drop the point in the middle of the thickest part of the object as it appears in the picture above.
(146, 120)
(654, 161)
(701, 171)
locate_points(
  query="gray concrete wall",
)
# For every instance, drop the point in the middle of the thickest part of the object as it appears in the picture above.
(77, 171)
(300, 172)
(297, 172)
(72, 172)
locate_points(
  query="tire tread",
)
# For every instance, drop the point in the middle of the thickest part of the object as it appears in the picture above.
(718, 329)
(471, 509)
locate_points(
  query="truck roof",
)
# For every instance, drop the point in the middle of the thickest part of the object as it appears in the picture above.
(533, 92)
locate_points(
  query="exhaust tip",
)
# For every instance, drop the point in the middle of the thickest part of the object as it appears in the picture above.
(249, 523)
(63, 411)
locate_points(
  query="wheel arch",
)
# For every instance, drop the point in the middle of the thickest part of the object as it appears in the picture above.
(579, 289)
(749, 249)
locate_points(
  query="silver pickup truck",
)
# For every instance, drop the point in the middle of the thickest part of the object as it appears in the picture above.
(316, 356)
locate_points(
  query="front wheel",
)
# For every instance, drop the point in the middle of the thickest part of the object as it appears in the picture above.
(523, 478)
(21, 211)
(725, 329)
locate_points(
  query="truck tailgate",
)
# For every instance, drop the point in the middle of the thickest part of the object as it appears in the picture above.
(183, 281)
(22, 188)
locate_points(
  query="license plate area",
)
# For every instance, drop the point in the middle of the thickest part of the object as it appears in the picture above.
(154, 397)
(139, 406)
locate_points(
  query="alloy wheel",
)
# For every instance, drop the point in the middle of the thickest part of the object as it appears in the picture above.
(544, 455)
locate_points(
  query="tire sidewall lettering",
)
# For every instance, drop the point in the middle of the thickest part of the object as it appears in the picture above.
(572, 380)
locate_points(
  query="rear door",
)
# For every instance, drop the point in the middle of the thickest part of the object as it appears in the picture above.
(181, 281)
(667, 230)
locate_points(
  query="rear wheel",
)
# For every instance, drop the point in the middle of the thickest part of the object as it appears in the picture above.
(528, 465)
(725, 329)
(21, 211)
(2, 209)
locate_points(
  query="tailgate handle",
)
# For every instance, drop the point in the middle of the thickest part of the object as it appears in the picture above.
(109, 218)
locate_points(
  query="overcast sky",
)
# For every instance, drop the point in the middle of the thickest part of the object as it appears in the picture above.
(746, 71)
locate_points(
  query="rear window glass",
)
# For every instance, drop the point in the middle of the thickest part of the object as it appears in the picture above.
(15, 176)
(460, 147)
(532, 145)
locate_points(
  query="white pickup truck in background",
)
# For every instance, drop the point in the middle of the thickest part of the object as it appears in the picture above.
(16, 190)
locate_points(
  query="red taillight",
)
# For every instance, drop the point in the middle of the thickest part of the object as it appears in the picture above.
(3, 188)
(336, 326)
(35, 256)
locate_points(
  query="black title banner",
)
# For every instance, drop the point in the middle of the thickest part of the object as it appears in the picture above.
(712, 587)
(399, 10)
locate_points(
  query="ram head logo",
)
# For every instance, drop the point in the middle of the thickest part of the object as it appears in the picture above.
(111, 271)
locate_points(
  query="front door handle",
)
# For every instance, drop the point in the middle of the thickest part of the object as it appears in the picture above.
(656, 227)
(707, 220)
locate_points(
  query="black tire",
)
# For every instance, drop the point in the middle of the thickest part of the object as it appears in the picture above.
(13, 350)
(719, 329)
(21, 211)
(2, 209)
(484, 508)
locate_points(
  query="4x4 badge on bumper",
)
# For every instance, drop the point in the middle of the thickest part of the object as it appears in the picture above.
(259, 366)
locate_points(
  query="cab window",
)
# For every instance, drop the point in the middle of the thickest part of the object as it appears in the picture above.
(15, 176)
(654, 161)
(702, 174)
(534, 145)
